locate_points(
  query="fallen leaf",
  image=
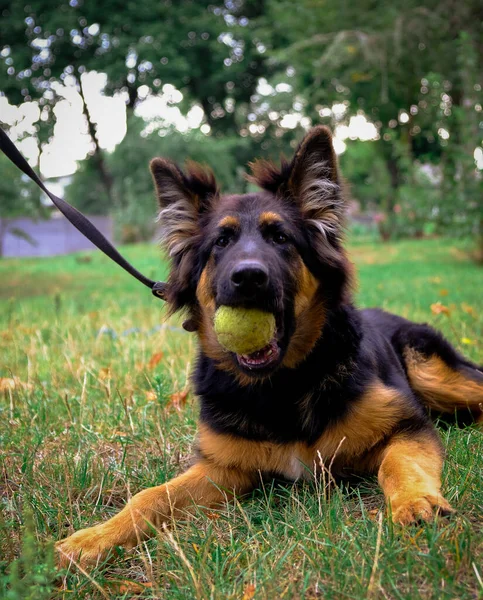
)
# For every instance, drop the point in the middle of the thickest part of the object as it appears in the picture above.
(7, 383)
(373, 513)
(467, 341)
(437, 308)
(178, 399)
(213, 516)
(12, 383)
(127, 587)
(104, 373)
(468, 309)
(443, 292)
(249, 591)
(27, 330)
(150, 395)
(155, 359)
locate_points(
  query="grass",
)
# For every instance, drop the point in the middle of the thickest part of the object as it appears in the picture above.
(89, 414)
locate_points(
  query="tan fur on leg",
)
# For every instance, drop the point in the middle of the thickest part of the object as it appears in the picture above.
(203, 484)
(410, 476)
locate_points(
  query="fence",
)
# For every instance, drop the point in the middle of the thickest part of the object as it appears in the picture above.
(26, 237)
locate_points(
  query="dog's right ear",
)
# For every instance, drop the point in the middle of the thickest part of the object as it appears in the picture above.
(182, 198)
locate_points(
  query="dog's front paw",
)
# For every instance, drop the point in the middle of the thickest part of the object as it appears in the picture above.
(85, 547)
(412, 509)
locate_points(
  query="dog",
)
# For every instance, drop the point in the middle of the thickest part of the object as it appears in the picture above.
(352, 387)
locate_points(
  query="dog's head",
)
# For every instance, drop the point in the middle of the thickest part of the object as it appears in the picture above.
(278, 250)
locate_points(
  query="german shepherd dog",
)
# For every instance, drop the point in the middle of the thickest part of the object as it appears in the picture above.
(337, 384)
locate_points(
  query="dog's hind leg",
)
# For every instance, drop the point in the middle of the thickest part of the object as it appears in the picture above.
(203, 484)
(444, 380)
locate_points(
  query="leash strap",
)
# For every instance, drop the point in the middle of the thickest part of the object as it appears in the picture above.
(78, 220)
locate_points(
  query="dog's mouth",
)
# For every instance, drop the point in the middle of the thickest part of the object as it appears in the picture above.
(264, 358)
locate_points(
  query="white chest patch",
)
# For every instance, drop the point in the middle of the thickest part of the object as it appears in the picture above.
(294, 468)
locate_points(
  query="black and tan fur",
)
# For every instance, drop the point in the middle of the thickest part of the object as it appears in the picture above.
(353, 388)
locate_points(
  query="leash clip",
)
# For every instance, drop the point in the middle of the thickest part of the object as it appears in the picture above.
(159, 290)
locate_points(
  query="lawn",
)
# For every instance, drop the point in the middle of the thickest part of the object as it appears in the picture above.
(93, 408)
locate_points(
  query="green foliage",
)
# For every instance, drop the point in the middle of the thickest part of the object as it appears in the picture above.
(135, 215)
(19, 197)
(413, 70)
(415, 210)
(365, 171)
(461, 207)
(31, 575)
(382, 59)
(86, 190)
(135, 207)
(205, 49)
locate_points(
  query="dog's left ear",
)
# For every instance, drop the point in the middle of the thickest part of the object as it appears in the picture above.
(314, 182)
(311, 179)
(182, 196)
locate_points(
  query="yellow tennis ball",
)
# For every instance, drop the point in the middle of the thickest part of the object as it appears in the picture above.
(243, 330)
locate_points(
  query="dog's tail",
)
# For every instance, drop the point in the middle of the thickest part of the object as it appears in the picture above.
(445, 381)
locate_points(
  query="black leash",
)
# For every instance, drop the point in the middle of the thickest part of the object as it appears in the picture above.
(80, 222)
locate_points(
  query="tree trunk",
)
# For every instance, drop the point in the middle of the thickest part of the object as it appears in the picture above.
(386, 227)
(133, 95)
(98, 156)
(219, 126)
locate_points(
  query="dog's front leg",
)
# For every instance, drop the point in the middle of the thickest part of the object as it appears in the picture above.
(410, 476)
(204, 484)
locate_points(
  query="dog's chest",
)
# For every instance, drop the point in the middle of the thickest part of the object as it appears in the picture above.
(293, 461)
(294, 466)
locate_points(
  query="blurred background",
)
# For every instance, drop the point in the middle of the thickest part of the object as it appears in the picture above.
(91, 91)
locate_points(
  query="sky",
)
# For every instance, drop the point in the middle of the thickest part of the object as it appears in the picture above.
(71, 143)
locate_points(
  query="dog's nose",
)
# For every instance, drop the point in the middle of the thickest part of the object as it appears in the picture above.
(250, 277)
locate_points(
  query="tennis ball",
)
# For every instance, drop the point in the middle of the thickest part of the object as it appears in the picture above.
(243, 330)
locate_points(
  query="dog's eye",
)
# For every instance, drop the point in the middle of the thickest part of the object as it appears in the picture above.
(222, 241)
(280, 238)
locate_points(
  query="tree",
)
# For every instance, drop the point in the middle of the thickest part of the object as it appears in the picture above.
(129, 164)
(376, 58)
(202, 48)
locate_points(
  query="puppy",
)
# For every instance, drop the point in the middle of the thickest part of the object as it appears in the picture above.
(354, 387)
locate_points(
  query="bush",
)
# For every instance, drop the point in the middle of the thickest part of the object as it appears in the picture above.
(365, 170)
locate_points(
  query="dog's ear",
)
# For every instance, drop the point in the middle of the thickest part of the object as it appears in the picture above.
(182, 197)
(315, 185)
(311, 179)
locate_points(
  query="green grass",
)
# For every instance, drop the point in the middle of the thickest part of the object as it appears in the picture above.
(89, 420)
